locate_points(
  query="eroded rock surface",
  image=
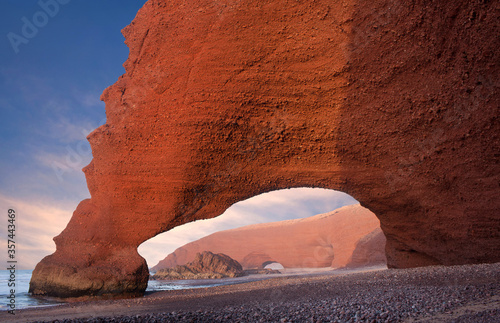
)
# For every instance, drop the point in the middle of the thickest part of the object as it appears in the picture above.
(323, 240)
(393, 102)
(368, 252)
(205, 265)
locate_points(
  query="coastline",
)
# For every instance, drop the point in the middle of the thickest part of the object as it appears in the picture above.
(469, 293)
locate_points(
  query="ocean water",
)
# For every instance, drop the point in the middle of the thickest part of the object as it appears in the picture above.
(25, 300)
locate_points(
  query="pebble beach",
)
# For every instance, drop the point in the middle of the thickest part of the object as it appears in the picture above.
(469, 293)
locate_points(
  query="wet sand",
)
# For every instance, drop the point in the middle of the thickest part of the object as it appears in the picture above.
(434, 294)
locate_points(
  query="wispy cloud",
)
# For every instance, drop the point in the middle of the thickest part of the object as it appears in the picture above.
(88, 99)
(67, 160)
(66, 131)
(37, 222)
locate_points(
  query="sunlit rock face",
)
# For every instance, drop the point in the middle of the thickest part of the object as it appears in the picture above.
(393, 102)
(324, 240)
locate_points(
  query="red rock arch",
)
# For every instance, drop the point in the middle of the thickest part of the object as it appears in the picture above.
(395, 103)
(256, 260)
(267, 263)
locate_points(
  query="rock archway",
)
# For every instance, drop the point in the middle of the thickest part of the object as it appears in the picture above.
(395, 103)
(273, 265)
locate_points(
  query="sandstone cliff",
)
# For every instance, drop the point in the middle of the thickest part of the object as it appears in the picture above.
(205, 265)
(324, 240)
(393, 102)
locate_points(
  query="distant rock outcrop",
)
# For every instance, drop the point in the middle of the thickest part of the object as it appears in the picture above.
(324, 240)
(368, 251)
(206, 265)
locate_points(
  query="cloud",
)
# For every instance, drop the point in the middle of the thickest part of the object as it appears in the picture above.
(268, 207)
(37, 222)
(57, 176)
(89, 99)
(70, 161)
(66, 131)
(65, 162)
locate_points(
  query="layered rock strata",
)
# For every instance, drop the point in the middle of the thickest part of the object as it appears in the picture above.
(324, 240)
(393, 102)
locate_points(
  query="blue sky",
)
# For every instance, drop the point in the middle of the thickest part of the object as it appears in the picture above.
(50, 89)
(57, 56)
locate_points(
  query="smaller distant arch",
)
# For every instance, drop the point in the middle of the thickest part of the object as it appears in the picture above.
(274, 265)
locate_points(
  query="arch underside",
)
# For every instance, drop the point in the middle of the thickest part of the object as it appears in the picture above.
(242, 99)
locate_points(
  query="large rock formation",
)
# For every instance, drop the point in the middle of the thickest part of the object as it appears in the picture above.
(324, 240)
(368, 252)
(205, 265)
(393, 102)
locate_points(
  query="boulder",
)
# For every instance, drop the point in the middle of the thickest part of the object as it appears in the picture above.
(206, 265)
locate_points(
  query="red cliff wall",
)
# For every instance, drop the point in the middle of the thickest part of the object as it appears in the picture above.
(393, 102)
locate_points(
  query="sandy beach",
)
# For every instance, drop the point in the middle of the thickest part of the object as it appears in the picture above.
(468, 293)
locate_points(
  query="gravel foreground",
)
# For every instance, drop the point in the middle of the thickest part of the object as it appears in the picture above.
(468, 293)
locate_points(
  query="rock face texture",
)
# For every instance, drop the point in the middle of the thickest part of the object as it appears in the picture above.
(205, 265)
(393, 102)
(368, 252)
(324, 240)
